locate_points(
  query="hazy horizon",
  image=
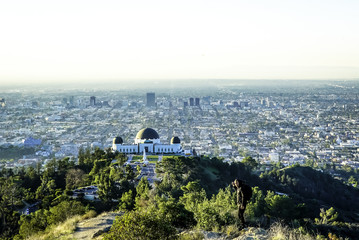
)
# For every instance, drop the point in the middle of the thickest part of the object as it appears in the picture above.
(178, 85)
(87, 41)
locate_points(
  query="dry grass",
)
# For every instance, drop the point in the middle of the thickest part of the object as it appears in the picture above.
(89, 214)
(60, 231)
(279, 231)
(63, 230)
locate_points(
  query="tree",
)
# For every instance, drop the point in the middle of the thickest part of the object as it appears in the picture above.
(138, 170)
(250, 162)
(280, 206)
(31, 179)
(327, 216)
(127, 200)
(256, 207)
(130, 174)
(206, 216)
(107, 187)
(46, 191)
(64, 210)
(33, 223)
(75, 178)
(193, 195)
(10, 195)
(121, 158)
(142, 191)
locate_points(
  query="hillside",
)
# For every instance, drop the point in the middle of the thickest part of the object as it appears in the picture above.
(191, 193)
(315, 188)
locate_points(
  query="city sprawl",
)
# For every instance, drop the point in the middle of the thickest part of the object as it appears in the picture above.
(287, 124)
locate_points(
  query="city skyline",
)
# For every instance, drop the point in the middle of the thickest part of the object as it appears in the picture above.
(87, 41)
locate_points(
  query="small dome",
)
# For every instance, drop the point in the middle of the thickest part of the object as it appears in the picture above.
(175, 140)
(147, 133)
(117, 140)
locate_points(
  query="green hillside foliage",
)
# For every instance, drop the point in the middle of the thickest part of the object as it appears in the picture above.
(191, 193)
(316, 188)
(212, 173)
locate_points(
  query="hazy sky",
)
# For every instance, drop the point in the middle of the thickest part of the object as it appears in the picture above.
(82, 40)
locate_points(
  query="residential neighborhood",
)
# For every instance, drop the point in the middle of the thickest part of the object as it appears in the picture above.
(286, 125)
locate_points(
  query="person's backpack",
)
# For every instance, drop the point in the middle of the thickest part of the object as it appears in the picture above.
(247, 192)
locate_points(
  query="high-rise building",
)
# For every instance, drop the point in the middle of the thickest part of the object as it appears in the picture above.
(92, 101)
(191, 101)
(150, 100)
(185, 104)
(196, 101)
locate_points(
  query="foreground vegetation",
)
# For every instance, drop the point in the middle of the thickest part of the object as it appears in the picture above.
(194, 194)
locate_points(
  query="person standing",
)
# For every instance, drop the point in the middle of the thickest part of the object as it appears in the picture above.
(244, 194)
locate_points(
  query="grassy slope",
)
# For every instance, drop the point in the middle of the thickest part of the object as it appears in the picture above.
(62, 230)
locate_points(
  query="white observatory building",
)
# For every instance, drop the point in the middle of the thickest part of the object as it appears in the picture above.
(147, 140)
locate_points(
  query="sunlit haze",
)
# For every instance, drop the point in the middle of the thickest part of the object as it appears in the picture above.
(46, 41)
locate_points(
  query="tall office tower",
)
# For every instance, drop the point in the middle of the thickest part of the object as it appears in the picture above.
(185, 104)
(92, 101)
(191, 101)
(197, 101)
(150, 100)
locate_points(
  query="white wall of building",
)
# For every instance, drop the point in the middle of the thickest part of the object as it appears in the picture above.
(151, 148)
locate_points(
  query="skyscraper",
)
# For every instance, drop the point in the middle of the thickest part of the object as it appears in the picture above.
(92, 101)
(150, 100)
(196, 101)
(191, 101)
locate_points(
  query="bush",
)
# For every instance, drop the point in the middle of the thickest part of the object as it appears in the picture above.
(64, 210)
(136, 225)
(175, 213)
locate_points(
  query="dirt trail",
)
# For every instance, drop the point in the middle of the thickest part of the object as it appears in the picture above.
(87, 228)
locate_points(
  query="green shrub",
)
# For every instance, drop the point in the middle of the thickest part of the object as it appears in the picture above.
(137, 225)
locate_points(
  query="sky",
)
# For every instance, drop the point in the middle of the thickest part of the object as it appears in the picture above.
(85, 40)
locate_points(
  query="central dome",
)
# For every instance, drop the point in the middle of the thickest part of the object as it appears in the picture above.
(147, 133)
